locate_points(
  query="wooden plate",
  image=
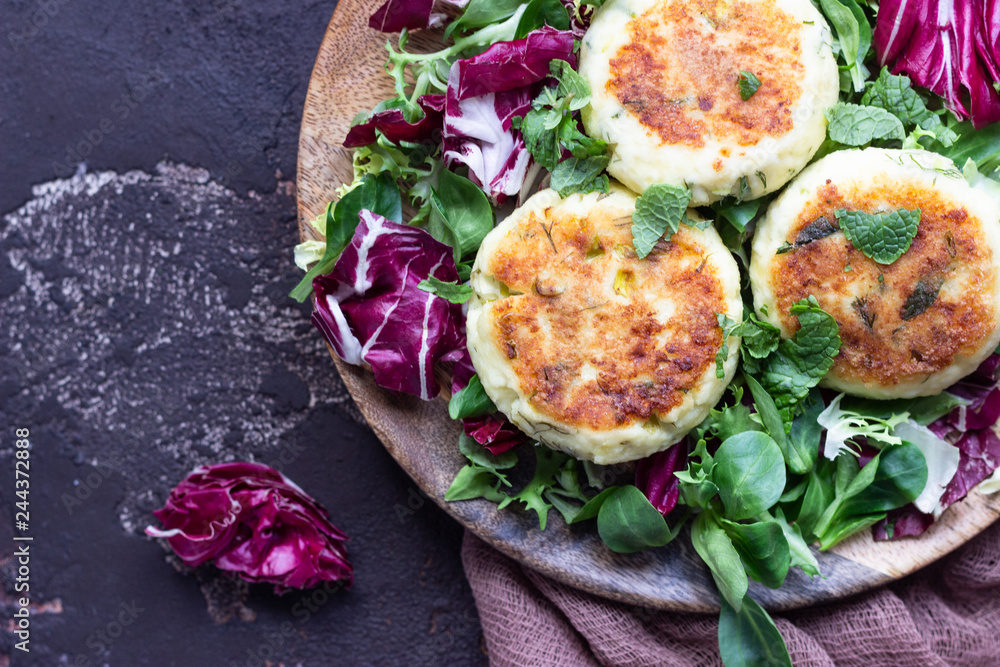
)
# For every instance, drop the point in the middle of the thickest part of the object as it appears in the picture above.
(349, 78)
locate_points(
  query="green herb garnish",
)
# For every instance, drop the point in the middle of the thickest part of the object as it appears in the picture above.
(883, 237)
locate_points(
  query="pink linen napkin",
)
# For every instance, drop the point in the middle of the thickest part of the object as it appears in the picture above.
(948, 614)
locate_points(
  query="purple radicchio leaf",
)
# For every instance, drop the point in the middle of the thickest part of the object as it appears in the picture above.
(980, 389)
(982, 412)
(980, 456)
(371, 310)
(511, 65)
(906, 521)
(494, 432)
(579, 17)
(654, 476)
(970, 428)
(485, 93)
(945, 46)
(396, 128)
(866, 452)
(462, 372)
(252, 520)
(395, 15)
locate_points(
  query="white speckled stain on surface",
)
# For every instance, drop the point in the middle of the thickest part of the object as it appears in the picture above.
(150, 304)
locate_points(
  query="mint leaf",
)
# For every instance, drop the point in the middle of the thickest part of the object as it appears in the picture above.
(883, 237)
(728, 325)
(749, 84)
(571, 84)
(759, 338)
(816, 343)
(895, 94)
(800, 362)
(658, 213)
(453, 292)
(542, 142)
(856, 125)
(580, 175)
(551, 129)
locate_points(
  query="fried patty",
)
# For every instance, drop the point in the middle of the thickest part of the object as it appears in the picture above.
(909, 328)
(588, 348)
(665, 78)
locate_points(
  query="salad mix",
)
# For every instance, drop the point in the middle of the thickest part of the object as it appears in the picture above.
(779, 464)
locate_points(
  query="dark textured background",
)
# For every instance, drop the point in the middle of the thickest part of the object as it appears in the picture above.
(146, 185)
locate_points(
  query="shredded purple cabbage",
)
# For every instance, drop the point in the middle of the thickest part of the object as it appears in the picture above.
(371, 310)
(654, 476)
(252, 520)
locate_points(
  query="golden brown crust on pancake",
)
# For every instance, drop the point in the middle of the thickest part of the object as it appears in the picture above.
(686, 52)
(588, 345)
(887, 337)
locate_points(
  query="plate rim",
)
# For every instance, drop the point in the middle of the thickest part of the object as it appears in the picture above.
(880, 559)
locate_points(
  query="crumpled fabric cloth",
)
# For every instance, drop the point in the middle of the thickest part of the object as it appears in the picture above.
(945, 614)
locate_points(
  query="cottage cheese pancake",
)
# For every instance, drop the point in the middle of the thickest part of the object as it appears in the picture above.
(588, 348)
(909, 328)
(665, 81)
